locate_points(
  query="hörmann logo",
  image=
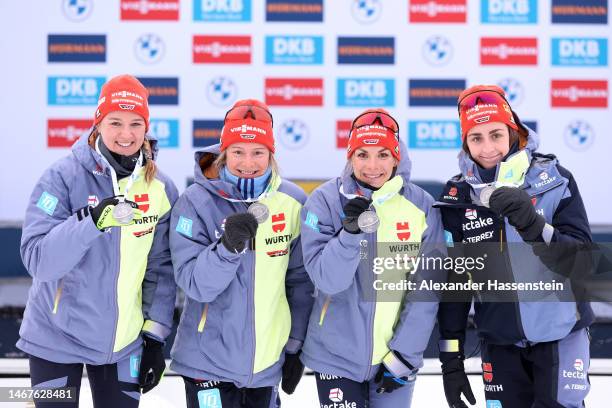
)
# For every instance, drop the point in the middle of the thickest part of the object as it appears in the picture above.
(437, 11)
(222, 49)
(365, 92)
(579, 93)
(206, 132)
(509, 11)
(294, 91)
(434, 92)
(366, 50)
(222, 10)
(162, 91)
(589, 52)
(579, 11)
(295, 50)
(76, 48)
(508, 51)
(294, 10)
(150, 10)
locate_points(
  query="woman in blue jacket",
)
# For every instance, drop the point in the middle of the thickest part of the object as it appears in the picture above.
(535, 349)
(366, 344)
(95, 240)
(247, 295)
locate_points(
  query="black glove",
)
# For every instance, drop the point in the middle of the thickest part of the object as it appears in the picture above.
(456, 382)
(239, 228)
(352, 210)
(292, 372)
(152, 364)
(102, 214)
(387, 382)
(516, 205)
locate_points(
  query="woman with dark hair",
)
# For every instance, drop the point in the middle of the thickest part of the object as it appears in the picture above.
(535, 349)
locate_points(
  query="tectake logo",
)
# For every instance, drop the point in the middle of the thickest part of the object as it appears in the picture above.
(343, 131)
(434, 92)
(514, 90)
(219, 49)
(580, 52)
(206, 132)
(150, 10)
(365, 92)
(76, 48)
(508, 51)
(149, 48)
(434, 134)
(294, 10)
(294, 134)
(64, 132)
(366, 50)
(234, 11)
(579, 11)
(579, 135)
(296, 50)
(366, 11)
(294, 91)
(437, 50)
(162, 91)
(74, 90)
(578, 94)
(509, 11)
(221, 91)
(166, 131)
(437, 11)
(77, 10)
(471, 214)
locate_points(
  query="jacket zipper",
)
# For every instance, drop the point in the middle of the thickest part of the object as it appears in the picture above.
(251, 295)
(517, 308)
(372, 314)
(118, 264)
(58, 296)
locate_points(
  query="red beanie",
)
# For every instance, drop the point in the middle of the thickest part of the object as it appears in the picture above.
(373, 133)
(248, 121)
(123, 93)
(482, 104)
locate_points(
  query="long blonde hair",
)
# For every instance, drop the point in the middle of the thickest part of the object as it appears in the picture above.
(150, 167)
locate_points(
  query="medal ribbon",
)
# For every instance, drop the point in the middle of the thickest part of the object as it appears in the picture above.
(132, 177)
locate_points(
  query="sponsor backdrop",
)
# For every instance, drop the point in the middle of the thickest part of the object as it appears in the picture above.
(317, 64)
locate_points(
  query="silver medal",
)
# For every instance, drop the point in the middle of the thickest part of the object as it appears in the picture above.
(259, 211)
(368, 221)
(123, 212)
(485, 195)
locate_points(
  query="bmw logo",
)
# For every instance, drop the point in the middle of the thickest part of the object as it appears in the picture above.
(294, 134)
(366, 11)
(437, 50)
(149, 48)
(513, 89)
(77, 10)
(579, 135)
(221, 91)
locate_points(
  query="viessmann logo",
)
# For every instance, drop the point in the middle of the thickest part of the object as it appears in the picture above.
(508, 51)
(222, 49)
(579, 93)
(437, 11)
(294, 91)
(64, 132)
(150, 9)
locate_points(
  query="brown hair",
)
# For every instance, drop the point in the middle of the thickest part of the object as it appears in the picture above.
(150, 167)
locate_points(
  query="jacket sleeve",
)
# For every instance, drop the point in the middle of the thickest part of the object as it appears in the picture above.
(452, 314)
(299, 291)
(331, 257)
(158, 286)
(418, 315)
(203, 268)
(51, 227)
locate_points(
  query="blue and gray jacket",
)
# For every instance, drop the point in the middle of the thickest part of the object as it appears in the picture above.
(242, 311)
(93, 292)
(556, 197)
(353, 326)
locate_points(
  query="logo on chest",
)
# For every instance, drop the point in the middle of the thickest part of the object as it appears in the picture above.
(474, 222)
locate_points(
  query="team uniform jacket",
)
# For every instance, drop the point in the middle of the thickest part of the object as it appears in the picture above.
(242, 311)
(94, 292)
(352, 330)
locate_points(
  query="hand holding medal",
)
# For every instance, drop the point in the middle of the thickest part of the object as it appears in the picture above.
(115, 212)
